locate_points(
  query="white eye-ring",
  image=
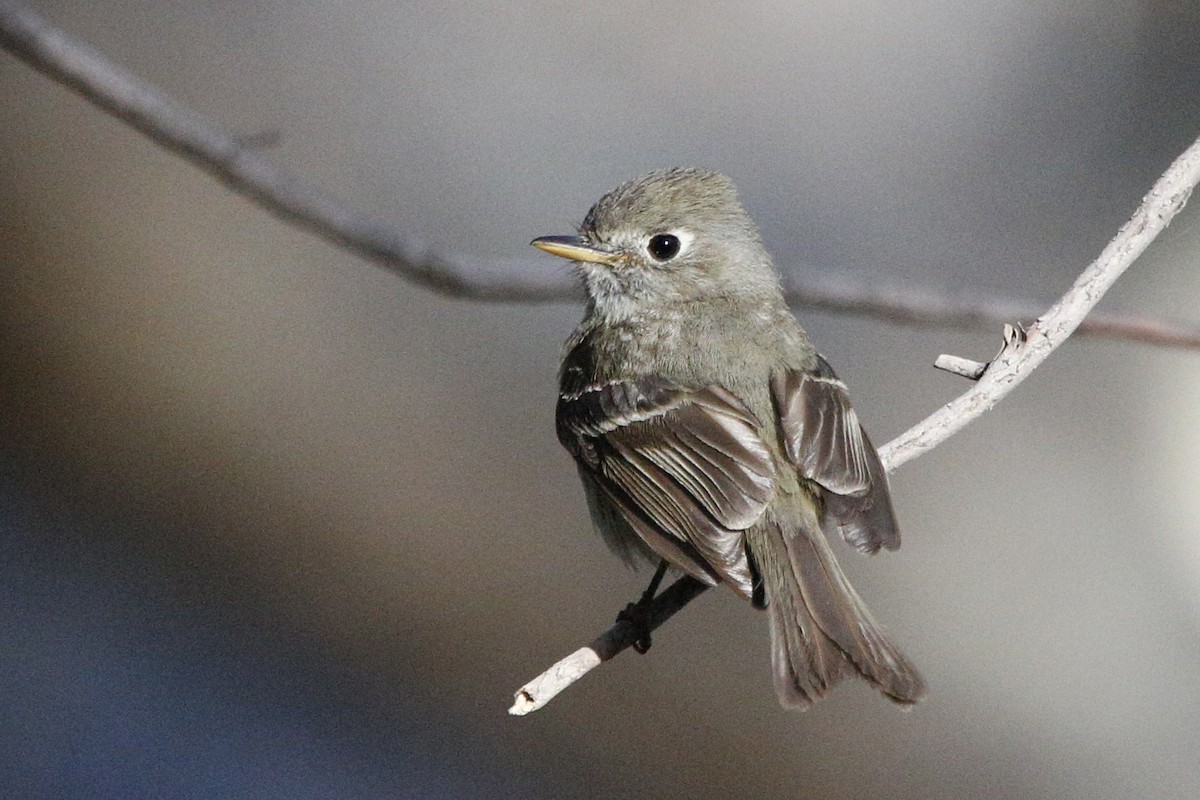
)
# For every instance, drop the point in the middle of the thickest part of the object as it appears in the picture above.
(667, 245)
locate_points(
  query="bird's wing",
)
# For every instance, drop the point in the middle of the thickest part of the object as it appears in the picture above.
(687, 468)
(823, 438)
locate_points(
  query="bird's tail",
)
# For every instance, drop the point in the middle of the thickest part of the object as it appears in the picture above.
(821, 631)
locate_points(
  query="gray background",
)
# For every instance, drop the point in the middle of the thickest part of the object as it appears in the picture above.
(278, 524)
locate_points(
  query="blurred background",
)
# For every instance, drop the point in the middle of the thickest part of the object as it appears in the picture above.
(274, 523)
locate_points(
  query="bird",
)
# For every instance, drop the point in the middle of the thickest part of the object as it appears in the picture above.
(710, 435)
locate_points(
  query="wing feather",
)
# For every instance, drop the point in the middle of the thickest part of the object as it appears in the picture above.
(823, 438)
(689, 465)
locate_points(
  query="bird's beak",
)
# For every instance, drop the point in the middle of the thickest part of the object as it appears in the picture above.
(574, 248)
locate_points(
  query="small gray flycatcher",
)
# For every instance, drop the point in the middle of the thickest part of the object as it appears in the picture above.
(710, 434)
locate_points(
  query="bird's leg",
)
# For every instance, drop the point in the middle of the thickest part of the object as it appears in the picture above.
(652, 589)
(638, 614)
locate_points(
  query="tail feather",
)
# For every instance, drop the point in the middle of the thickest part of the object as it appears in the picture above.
(821, 631)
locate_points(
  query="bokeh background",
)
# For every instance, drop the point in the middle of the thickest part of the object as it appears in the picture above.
(276, 524)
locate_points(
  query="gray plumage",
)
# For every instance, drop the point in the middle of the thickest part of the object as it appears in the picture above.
(710, 433)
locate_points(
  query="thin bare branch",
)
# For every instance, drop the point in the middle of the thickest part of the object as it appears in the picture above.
(927, 309)
(621, 635)
(236, 162)
(1023, 351)
(1166, 199)
(241, 167)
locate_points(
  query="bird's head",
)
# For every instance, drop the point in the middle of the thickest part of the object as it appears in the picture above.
(672, 236)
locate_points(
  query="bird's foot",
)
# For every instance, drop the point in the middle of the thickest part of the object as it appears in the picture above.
(638, 615)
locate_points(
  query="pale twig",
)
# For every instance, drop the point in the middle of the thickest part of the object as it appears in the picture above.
(238, 163)
(1023, 351)
(963, 367)
(1165, 199)
(621, 635)
(1014, 336)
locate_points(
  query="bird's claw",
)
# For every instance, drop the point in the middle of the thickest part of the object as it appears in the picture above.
(638, 615)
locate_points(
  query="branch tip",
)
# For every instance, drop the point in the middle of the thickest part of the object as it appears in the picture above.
(1014, 337)
(523, 704)
(963, 367)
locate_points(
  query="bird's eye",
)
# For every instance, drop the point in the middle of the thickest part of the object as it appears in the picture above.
(664, 246)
